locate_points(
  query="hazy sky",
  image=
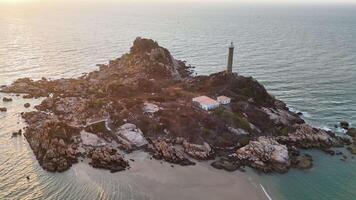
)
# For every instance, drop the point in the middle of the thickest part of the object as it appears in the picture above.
(237, 1)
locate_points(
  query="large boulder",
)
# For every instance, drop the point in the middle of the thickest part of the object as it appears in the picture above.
(166, 151)
(131, 134)
(107, 158)
(265, 154)
(226, 164)
(143, 45)
(351, 132)
(89, 139)
(282, 117)
(201, 152)
(302, 162)
(344, 124)
(6, 99)
(307, 137)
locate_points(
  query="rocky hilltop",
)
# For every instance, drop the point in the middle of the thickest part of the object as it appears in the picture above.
(143, 101)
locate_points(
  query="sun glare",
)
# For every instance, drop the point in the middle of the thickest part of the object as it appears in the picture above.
(16, 1)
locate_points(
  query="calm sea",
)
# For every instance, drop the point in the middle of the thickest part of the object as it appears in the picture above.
(304, 55)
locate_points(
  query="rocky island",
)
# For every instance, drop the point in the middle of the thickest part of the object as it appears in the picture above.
(142, 101)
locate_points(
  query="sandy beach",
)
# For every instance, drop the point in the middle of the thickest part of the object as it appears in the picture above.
(155, 180)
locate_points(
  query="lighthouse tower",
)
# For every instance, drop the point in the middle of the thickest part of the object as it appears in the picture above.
(230, 59)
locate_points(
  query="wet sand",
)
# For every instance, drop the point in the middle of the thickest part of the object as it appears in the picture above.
(156, 180)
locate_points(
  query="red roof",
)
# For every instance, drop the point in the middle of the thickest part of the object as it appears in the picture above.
(204, 100)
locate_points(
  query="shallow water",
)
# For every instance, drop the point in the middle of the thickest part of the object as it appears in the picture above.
(305, 56)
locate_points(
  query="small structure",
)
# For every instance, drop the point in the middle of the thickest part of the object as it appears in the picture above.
(206, 103)
(224, 100)
(230, 58)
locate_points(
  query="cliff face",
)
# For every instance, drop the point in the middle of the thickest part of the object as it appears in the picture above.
(151, 90)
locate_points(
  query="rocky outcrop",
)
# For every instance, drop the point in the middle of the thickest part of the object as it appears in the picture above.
(282, 117)
(51, 141)
(200, 152)
(344, 124)
(131, 135)
(6, 99)
(107, 158)
(302, 162)
(351, 132)
(265, 154)
(226, 164)
(307, 137)
(163, 150)
(91, 140)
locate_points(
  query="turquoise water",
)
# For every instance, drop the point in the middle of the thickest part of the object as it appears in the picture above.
(330, 178)
(304, 55)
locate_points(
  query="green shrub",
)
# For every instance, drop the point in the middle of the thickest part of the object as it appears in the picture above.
(285, 131)
(241, 122)
(219, 111)
(244, 140)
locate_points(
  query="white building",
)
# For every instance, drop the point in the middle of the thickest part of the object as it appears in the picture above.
(224, 100)
(206, 103)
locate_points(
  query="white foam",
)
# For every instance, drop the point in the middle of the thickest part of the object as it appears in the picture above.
(305, 114)
(325, 128)
(264, 190)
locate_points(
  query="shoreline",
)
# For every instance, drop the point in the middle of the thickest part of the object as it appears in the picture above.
(158, 180)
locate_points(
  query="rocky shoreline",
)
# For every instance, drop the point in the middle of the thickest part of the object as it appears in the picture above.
(142, 101)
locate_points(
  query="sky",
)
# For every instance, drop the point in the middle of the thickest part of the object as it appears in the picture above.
(203, 1)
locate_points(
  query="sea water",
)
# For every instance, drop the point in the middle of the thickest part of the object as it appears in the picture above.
(304, 55)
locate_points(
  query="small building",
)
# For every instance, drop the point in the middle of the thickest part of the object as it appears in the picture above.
(224, 100)
(206, 103)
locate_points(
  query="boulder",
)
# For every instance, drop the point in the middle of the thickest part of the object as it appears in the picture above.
(226, 164)
(108, 158)
(89, 139)
(6, 99)
(237, 131)
(283, 117)
(166, 151)
(351, 132)
(265, 154)
(344, 124)
(131, 134)
(142, 45)
(308, 137)
(50, 140)
(97, 127)
(302, 162)
(352, 149)
(200, 152)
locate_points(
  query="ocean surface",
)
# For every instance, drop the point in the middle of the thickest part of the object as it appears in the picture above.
(304, 55)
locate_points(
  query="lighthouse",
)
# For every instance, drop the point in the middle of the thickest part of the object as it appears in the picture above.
(230, 58)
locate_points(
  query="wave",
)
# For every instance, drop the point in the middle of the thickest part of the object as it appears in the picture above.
(305, 114)
(264, 191)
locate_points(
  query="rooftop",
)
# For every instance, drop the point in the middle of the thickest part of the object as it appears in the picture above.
(205, 100)
(223, 98)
